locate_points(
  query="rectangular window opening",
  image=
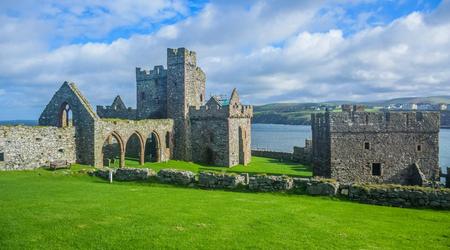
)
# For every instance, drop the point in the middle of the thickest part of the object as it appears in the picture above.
(376, 169)
(419, 148)
(2, 156)
(366, 145)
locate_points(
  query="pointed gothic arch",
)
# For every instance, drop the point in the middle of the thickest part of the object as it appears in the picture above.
(152, 148)
(134, 148)
(65, 118)
(113, 149)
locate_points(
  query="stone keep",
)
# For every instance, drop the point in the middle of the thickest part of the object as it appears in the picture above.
(159, 129)
(376, 147)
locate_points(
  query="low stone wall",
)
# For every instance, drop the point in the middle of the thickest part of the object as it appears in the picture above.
(400, 196)
(302, 155)
(270, 183)
(386, 195)
(178, 177)
(131, 174)
(322, 187)
(125, 174)
(221, 180)
(272, 154)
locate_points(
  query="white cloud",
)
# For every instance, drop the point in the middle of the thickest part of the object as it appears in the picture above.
(269, 53)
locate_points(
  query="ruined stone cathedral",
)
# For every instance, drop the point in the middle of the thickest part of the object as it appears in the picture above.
(172, 120)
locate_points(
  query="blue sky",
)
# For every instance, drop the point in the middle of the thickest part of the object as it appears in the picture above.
(272, 51)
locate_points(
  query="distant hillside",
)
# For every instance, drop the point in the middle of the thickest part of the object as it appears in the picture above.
(300, 113)
(404, 100)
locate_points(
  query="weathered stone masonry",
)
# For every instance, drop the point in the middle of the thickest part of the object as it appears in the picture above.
(378, 147)
(26, 147)
(161, 128)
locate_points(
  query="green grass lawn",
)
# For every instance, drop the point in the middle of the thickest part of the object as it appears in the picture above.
(66, 210)
(257, 165)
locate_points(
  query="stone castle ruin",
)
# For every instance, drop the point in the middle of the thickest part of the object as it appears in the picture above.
(172, 120)
(376, 147)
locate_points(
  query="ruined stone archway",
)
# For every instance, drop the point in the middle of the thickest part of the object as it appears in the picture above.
(65, 118)
(134, 149)
(113, 150)
(152, 148)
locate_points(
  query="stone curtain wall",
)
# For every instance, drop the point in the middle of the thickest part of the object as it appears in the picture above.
(386, 195)
(303, 154)
(25, 147)
(273, 154)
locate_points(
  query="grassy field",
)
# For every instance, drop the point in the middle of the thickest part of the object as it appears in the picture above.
(257, 165)
(67, 210)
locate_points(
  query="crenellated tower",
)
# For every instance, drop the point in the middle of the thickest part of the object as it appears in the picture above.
(185, 88)
(151, 93)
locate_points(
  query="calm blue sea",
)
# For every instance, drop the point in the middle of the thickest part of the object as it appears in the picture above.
(283, 137)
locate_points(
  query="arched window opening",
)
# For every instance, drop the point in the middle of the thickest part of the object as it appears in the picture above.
(65, 116)
(133, 148)
(112, 151)
(152, 148)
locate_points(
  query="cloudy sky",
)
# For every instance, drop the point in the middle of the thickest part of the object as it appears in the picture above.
(272, 51)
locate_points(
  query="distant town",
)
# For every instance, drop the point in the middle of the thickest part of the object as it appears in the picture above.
(300, 113)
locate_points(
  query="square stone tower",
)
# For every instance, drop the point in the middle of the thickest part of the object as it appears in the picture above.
(185, 88)
(378, 147)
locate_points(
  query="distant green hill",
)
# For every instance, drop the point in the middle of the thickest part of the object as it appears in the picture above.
(300, 113)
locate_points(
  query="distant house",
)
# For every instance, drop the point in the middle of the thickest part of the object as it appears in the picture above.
(442, 106)
(410, 106)
(425, 106)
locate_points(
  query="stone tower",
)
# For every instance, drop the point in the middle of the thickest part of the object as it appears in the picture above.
(151, 93)
(185, 88)
(378, 147)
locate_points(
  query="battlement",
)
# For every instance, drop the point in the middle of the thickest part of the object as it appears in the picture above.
(356, 121)
(240, 111)
(221, 112)
(157, 72)
(180, 56)
(180, 52)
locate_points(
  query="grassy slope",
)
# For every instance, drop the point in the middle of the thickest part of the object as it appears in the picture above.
(64, 209)
(258, 165)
